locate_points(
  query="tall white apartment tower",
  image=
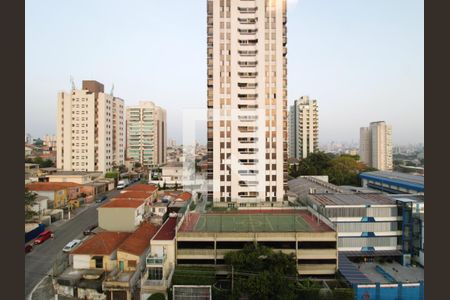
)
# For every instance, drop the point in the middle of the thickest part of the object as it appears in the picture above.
(247, 102)
(90, 129)
(147, 134)
(375, 147)
(303, 128)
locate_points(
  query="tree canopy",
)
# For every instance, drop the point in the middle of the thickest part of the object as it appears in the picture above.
(341, 170)
(30, 200)
(261, 273)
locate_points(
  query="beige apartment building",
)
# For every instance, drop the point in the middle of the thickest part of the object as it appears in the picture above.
(147, 134)
(375, 146)
(303, 128)
(247, 102)
(90, 129)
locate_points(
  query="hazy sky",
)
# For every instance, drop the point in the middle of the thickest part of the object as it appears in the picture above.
(362, 60)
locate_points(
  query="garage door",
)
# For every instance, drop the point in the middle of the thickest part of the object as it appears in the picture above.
(81, 261)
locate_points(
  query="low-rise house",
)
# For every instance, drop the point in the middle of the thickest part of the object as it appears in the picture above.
(149, 188)
(131, 255)
(121, 214)
(73, 176)
(90, 263)
(172, 173)
(58, 193)
(40, 205)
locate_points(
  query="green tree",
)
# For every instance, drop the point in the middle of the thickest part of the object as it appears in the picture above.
(261, 273)
(30, 200)
(137, 165)
(176, 186)
(114, 175)
(343, 170)
(46, 163)
(164, 186)
(38, 142)
(38, 160)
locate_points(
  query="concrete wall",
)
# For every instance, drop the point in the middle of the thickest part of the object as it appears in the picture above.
(117, 219)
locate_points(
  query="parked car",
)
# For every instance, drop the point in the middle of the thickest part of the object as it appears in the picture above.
(101, 198)
(71, 245)
(89, 230)
(122, 184)
(28, 248)
(43, 237)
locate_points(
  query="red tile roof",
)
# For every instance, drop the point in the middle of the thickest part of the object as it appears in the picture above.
(138, 241)
(179, 196)
(143, 187)
(167, 231)
(102, 243)
(184, 196)
(123, 203)
(134, 194)
(50, 186)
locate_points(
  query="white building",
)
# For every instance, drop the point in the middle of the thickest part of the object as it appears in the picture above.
(303, 128)
(247, 102)
(147, 133)
(375, 147)
(90, 129)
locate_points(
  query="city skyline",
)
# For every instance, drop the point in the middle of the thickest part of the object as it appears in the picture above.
(379, 61)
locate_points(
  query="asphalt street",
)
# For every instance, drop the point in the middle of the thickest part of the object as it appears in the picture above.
(40, 260)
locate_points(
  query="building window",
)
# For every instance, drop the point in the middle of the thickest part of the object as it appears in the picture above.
(155, 273)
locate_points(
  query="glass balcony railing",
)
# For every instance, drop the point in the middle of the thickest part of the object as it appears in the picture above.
(155, 260)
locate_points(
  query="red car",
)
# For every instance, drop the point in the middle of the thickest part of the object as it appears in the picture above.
(43, 237)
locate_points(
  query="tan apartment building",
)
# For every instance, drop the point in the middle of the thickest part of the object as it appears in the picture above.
(303, 128)
(247, 102)
(146, 133)
(90, 129)
(375, 146)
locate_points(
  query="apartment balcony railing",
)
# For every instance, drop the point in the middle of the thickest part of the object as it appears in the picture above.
(247, 31)
(155, 260)
(248, 20)
(247, 10)
(248, 52)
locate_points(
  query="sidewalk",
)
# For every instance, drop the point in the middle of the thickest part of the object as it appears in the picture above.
(44, 290)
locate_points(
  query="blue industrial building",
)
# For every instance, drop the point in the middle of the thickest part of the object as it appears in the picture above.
(393, 182)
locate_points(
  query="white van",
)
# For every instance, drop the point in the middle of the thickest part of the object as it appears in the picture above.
(122, 184)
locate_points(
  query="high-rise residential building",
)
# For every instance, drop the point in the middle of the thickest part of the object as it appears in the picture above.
(247, 102)
(303, 128)
(50, 140)
(375, 146)
(90, 129)
(28, 138)
(147, 134)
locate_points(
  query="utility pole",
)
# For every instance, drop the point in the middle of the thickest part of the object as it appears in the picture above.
(232, 279)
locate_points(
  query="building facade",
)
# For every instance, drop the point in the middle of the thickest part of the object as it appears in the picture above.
(303, 128)
(247, 102)
(376, 145)
(90, 129)
(147, 134)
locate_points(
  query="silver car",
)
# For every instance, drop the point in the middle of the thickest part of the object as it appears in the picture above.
(71, 245)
